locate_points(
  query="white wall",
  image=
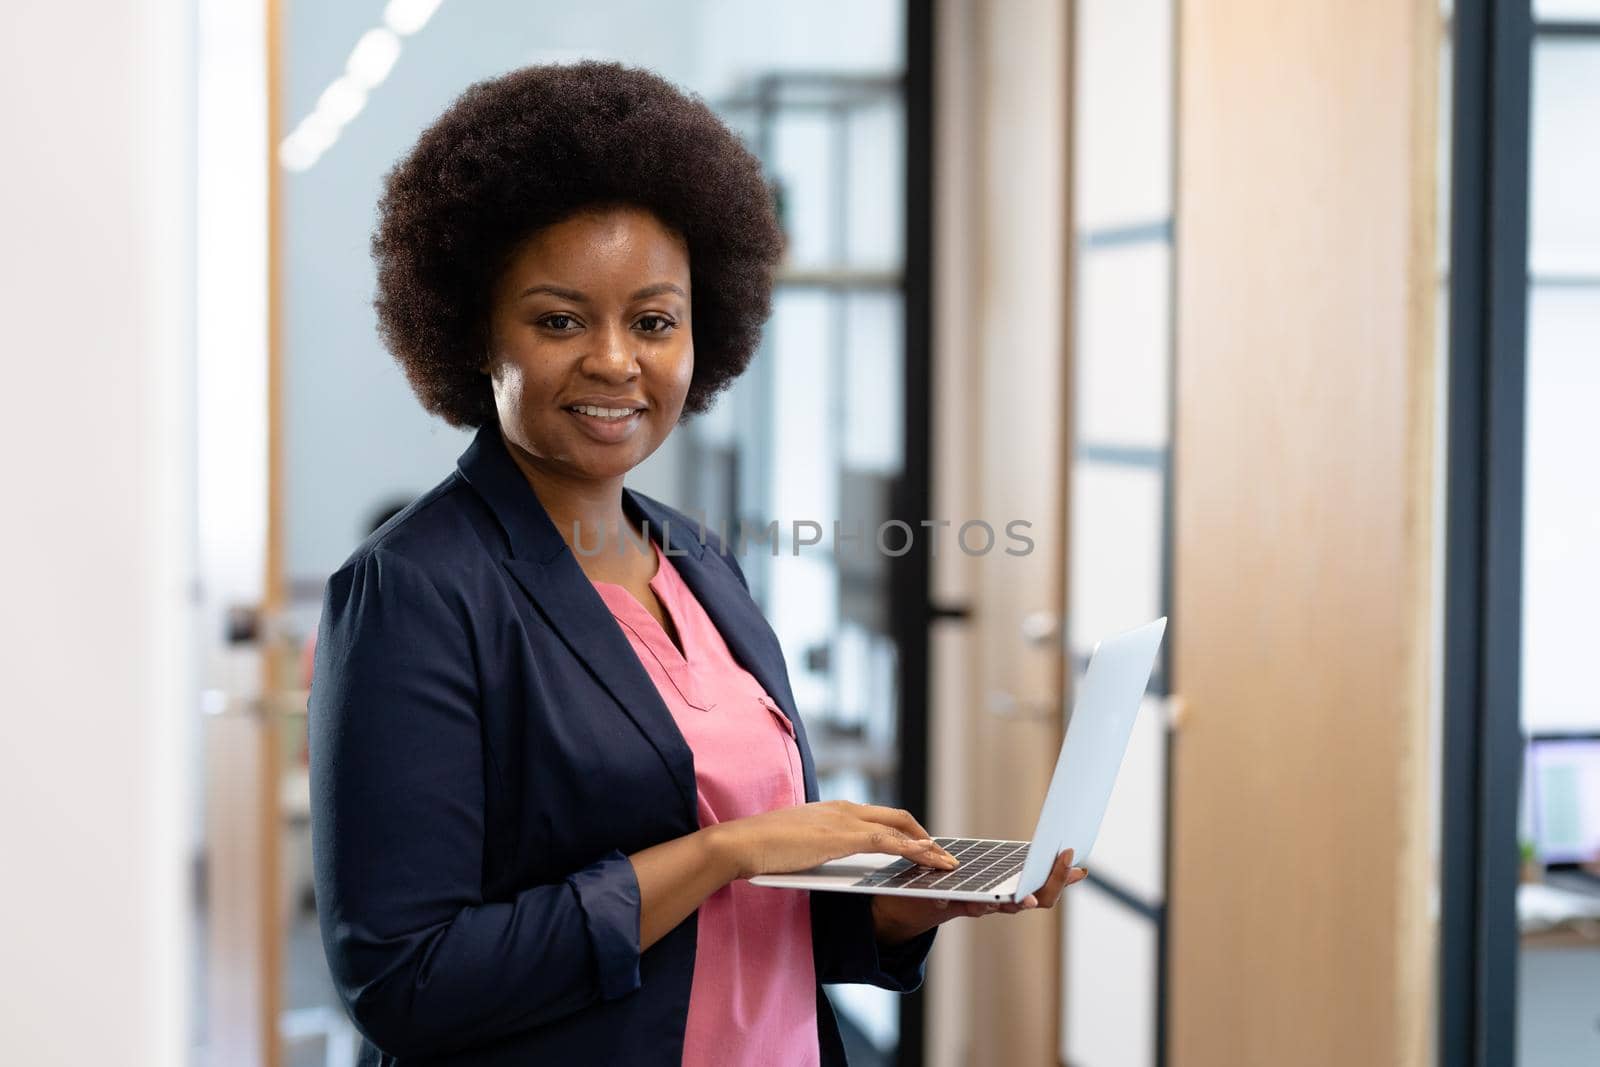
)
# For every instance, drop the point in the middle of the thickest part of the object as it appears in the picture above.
(231, 306)
(98, 531)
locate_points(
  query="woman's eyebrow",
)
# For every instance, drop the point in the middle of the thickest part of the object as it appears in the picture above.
(576, 297)
(657, 289)
(554, 290)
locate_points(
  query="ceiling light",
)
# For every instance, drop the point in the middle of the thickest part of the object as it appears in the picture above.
(373, 57)
(406, 17)
(369, 64)
(341, 101)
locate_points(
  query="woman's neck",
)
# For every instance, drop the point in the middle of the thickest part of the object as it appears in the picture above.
(588, 514)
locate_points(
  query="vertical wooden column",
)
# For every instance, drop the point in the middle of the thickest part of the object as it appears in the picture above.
(951, 689)
(1017, 393)
(1302, 848)
(241, 1023)
(272, 602)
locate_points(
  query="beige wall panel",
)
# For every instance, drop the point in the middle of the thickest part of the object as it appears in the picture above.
(240, 892)
(1302, 519)
(948, 1036)
(1019, 398)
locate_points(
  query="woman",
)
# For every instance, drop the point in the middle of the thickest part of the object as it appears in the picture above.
(542, 769)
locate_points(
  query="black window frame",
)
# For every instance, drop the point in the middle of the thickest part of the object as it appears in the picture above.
(1482, 745)
(912, 611)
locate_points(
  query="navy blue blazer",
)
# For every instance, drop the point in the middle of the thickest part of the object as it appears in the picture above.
(486, 750)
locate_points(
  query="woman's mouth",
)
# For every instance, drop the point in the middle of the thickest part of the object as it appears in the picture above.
(607, 425)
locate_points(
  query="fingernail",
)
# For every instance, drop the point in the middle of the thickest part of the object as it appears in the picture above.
(1030, 901)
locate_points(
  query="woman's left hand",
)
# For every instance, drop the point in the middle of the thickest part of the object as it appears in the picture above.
(897, 919)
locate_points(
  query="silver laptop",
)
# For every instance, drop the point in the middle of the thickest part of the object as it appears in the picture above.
(1091, 753)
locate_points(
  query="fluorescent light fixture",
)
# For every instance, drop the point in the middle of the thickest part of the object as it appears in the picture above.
(369, 64)
(341, 101)
(302, 148)
(372, 58)
(406, 17)
(296, 155)
(318, 130)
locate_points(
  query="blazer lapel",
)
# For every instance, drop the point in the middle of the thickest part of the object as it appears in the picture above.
(565, 596)
(544, 567)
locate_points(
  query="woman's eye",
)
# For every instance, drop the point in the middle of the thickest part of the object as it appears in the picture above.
(554, 321)
(667, 325)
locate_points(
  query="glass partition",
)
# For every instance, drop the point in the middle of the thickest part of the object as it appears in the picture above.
(1117, 570)
(1558, 903)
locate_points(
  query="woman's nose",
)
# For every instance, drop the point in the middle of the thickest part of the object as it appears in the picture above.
(612, 356)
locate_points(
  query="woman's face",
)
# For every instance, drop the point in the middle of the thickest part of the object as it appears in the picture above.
(590, 349)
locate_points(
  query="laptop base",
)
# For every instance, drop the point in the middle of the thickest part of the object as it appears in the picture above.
(989, 872)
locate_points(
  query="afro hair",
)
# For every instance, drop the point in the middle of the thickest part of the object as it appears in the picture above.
(533, 147)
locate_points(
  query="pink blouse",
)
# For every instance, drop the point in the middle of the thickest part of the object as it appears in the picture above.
(753, 999)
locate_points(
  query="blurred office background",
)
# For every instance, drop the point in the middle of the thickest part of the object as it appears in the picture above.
(1279, 319)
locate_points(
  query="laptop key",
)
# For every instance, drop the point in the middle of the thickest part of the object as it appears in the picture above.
(984, 864)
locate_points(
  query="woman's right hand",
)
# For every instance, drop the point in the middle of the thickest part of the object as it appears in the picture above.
(792, 839)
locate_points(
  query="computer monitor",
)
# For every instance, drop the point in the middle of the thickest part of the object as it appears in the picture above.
(1564, 797)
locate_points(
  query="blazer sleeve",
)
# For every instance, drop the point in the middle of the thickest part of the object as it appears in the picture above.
(847, 948)
(424, 964)
(845, 943)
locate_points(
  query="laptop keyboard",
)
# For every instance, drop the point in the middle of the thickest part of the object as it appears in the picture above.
(984, 865)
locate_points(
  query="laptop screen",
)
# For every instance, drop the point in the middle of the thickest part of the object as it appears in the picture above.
(1564, 797)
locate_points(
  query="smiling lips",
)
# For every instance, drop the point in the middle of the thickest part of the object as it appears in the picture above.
(609, 423)
(602, 413)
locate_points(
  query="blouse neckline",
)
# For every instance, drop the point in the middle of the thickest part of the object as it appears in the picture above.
(680, 665)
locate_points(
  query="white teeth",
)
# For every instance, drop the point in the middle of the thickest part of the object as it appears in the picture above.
(603, 413)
